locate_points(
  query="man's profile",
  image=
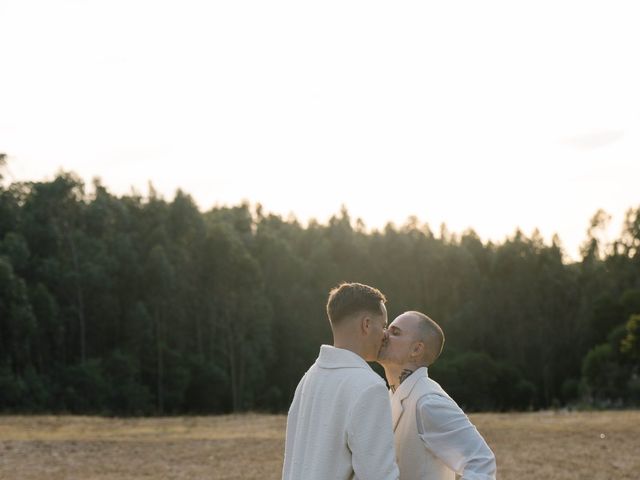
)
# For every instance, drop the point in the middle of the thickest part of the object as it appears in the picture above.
(434, 438)
(339, 423)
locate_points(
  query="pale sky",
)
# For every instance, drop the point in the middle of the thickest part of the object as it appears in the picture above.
(482, 114)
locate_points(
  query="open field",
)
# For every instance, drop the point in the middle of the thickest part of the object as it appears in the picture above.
(554, 445)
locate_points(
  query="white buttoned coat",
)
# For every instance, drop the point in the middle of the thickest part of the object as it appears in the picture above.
(339, 423)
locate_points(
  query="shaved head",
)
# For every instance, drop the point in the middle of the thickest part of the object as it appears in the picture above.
(412, 340)
(430, 333)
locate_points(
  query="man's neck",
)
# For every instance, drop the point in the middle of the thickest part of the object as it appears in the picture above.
(396, 374)
(354, 347)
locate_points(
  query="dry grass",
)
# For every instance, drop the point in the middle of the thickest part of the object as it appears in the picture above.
(528, 446)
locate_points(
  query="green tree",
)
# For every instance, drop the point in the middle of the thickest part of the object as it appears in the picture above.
(160, 280)
(630, 345)
(17, 322)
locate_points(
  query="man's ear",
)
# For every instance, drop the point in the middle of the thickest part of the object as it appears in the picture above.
(365, 324)
(418, 349)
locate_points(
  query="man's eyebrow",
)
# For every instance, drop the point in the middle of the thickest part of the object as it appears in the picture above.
(395, 328)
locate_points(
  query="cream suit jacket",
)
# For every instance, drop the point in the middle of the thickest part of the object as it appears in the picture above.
(339, 424)
(434, 439)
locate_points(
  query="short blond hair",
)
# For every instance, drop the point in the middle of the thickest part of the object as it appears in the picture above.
(349, 298)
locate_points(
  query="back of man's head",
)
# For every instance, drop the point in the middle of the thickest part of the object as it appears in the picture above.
(431, 335)
(348, 299)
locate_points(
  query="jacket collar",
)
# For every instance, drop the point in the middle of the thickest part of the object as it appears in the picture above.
(332, 357)
(403, 391)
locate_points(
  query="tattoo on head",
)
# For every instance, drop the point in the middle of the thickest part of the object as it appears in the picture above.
(405, 373)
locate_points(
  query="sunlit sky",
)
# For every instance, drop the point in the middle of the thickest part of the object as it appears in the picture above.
(490, 115)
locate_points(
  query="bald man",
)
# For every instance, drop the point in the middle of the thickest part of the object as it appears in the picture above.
(434, 439)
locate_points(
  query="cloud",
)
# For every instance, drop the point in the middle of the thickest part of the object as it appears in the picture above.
(594, 139)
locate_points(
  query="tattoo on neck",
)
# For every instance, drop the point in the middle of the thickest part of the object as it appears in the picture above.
(405, 373)
(393, 388)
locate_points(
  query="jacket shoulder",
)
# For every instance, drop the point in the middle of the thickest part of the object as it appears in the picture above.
(365, 378)
(428, 386)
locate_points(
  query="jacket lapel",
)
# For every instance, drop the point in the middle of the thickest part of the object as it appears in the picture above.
(396, 409)
(397, 398)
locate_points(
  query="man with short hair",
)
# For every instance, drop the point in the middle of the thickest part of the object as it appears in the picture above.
(339, 423)
(434, 438)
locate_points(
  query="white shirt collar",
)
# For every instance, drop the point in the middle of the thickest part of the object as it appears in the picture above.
(332, 357)
(403, 392)
(405, 387)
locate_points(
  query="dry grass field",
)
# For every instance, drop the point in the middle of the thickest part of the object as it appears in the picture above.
(549, 445)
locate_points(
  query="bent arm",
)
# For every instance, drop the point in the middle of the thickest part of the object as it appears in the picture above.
(449, 434)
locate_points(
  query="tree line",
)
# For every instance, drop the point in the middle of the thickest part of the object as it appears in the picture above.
(137, 305)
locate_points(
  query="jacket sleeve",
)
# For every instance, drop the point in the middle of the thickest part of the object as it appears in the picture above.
(370, 436)
(449, 434)
(292, 426)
